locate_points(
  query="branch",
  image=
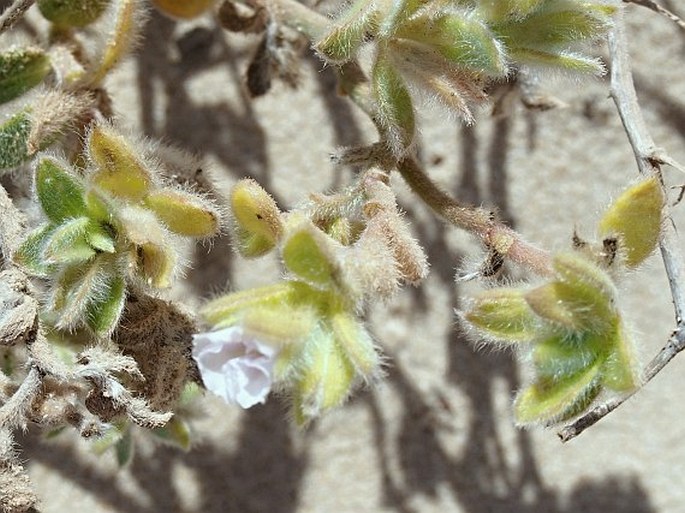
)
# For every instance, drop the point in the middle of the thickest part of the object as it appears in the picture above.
(14, 13)
(651, 4)
(478, 221)
(11, 226)
(649, 160)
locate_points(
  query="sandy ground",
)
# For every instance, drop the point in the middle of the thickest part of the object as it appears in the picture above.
(437, 435)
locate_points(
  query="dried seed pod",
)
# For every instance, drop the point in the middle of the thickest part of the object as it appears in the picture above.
(158, 335)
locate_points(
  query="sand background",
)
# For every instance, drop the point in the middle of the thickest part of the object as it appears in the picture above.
(437, 435)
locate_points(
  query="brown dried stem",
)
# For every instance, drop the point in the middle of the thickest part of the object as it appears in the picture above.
(480, 222)
(649, 161)
(14, 13)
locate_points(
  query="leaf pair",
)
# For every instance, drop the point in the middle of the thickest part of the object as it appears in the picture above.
(121, 173)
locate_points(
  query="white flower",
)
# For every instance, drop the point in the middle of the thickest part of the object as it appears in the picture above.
(234, 365)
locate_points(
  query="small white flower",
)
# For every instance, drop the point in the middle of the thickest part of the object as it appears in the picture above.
(234, 365)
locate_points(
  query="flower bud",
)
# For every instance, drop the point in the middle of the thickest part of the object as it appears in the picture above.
(635, 218)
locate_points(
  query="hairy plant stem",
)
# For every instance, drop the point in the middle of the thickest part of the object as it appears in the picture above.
(478, 221)
(649, 161)
(14, 13)
(11, 226)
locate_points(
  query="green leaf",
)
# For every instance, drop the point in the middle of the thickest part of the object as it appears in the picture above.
(308, 254)
(499, 10)
(462, 39)
(228, 306)
(14, 137)
(156, 264)
(351, 29)
(636, 219)
(184, 213)
(573, 307)
(258, 225)
(98, 208)
(73, 13)
(398, 13)
(120, 171)
(356, 344)
(395, 109)
(620, 367)
(557, 356)
(578, 270)
(20, 70)
(177, 432)
(75, 289)
(549, 29)
(103, 312)
(326, 377)
(59, 192)
(566, 60)
(100, 237)
(124, 449)
(67, 243)
(503, 314)
(30, 253)
(550, 400)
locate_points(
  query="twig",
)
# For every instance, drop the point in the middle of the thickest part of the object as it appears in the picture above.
(651, 4)
(11, 226)
(13, 13)
(649, 161)
(13, 412)
(495, 235)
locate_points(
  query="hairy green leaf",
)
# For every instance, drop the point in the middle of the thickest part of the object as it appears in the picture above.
(60, 193)
(20, 70)
(14, 137)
